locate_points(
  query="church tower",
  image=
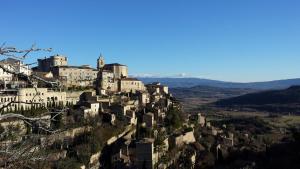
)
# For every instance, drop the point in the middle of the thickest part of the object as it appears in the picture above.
(100, 62)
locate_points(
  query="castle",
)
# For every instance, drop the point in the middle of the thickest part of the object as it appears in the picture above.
(114, 78)
(106, 78)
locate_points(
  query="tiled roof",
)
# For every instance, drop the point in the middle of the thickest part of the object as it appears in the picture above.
(114, 64)
(130, 79)
(76, 67)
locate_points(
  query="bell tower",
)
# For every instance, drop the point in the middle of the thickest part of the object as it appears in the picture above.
(100, 62)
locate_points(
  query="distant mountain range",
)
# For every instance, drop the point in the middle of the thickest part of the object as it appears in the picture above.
(191, 82)
(208, 92)
(193, 97)
(287, 100)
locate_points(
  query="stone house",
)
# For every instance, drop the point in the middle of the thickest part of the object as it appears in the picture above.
(145, 155)
(157, 88)
(90, 109)
(148, 119)
(28, 98)
(179, 140)
(8, 80)
(130, 85)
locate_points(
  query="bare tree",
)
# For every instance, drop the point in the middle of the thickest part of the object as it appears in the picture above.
(13, 52)
(27, 151)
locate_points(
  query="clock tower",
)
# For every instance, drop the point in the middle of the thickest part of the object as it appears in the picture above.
(100, 62)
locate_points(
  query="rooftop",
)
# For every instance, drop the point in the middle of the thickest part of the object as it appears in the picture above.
(147, 140)
(57, 55)
(130, 79)
(114, 64)
(77, 67)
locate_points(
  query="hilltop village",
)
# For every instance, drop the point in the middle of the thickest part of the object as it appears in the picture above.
(81, 117)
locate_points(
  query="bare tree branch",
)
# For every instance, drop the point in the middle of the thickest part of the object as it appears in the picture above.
(28, 150)
(19, 54)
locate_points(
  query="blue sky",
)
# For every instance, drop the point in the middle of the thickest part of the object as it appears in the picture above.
(232, 40)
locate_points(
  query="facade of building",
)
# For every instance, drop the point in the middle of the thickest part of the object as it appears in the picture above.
(18, 66)
(74, 76)
(45, 65)
(5, 76)
(13, 65)
(148, 119)
(69, 76)
(157, 88)
(114, 77)
(27, 98)
(90, 109)
(111, 77)
(107, 80)
(130, 85)
(145, 156)
(119, 71)
(179, 140)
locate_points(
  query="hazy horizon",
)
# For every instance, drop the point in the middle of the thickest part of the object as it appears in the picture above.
(206, 78)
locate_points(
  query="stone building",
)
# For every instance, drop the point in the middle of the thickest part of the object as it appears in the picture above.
(179, 140)
(107, 80)
(111, 77)
(69, 76)
(145, 156)
(144, 97)
(45, 65)
(157, 88)
(119, 71)
(200, 120)
(16, 66)
(28, 98)
(114, 78)
(90, 109)
(74, 76)
(131, 117)
(44, 75)
(148, 119)
(5, 76)
(131, 85)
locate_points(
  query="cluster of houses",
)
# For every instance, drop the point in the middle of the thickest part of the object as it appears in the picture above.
(107, 79)
(110, 95)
